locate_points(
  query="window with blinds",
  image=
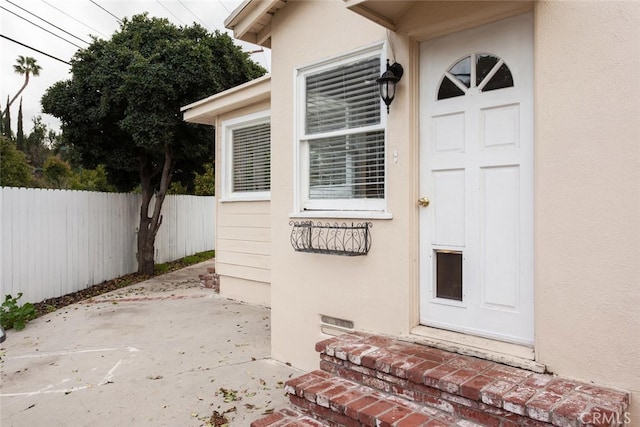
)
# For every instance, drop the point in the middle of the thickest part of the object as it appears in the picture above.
(251, 170)
(246, 154)
(347, 167)
(345, 97)
(343, 138)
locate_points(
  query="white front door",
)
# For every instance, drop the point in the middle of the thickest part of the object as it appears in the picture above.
(476, 169)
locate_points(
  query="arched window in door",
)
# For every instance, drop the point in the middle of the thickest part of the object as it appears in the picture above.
(483, 71)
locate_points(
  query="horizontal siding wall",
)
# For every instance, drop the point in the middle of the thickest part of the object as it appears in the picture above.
(54, 242)
(243, 246)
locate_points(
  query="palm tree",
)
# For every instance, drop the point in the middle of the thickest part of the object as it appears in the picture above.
(25, 66)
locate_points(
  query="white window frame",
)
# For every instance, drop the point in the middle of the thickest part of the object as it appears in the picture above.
(227, 128)
(333, 208)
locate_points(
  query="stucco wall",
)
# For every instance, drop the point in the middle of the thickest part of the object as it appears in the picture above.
(587, 188)
(587, 191)
(306, 285)
(243, 238)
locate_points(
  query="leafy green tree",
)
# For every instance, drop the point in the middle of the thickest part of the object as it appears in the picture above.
(66, 151)
(121, 108)
(15, 170)
(91, 180)
(205, 182)
(20, 133)
(177, 187)
(56, 172)
(26, 66)
(37, 143)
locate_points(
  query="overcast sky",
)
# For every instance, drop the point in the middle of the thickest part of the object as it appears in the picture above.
(76, 20)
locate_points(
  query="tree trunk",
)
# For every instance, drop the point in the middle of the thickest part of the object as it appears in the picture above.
(149, 226)
(26, 82)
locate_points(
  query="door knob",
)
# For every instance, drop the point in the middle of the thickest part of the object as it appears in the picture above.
(423, 201)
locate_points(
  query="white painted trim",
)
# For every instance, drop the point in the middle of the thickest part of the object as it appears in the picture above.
(206, 110)
(520, 356)
(342, 215)
(247, 197)
(336, 60)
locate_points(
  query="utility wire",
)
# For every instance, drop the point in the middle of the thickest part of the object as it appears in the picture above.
(75, 19)
(196, 16)
(117, 19)
(44, 20)
(42, 28)
(34, 49)
(225, 7)
(173, 14)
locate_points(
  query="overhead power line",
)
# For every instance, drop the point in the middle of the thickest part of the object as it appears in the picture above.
(75, 19)
(172, 14)
(42, 28)
(117, 19)
(44, 20)
(34, 49)
(225, 7)
(194, 15)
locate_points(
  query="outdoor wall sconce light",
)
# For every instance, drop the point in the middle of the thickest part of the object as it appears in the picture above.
(387, 82)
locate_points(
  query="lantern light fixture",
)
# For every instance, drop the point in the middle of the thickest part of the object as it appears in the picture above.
(387, 82)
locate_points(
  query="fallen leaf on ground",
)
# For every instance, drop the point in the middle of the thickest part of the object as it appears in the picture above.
(218, 419)
(228, 395)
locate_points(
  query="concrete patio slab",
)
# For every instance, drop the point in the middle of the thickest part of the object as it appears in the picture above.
(164, 352)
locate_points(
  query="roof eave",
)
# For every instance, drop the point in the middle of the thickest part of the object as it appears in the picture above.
(206, 110)
(251, 21)
(385, 17)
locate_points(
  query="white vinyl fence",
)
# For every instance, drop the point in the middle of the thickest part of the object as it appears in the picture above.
(54, 242)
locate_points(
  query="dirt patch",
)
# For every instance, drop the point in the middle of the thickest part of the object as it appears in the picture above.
(52, 304)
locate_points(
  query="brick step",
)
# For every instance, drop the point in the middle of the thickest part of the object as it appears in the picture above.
(465, 387)
(341, 402)
(287, 418)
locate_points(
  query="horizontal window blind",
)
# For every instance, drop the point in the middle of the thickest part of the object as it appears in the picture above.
(251, 158)
(347, 167)
(344, 97)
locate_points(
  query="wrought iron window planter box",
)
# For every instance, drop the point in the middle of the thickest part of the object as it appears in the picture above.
(332, 239)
